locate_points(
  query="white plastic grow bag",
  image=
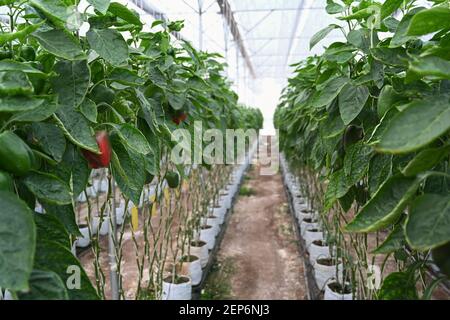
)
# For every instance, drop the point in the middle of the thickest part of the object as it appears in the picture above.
(308, 225)
(84, 240)
(324, 273)
(318, 252)
(213, 222)
(174, 291)
(331, 295)
(193, 269)
(208, 235)
(202, 252)
(309, 236)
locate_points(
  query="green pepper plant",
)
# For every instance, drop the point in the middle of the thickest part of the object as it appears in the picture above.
(71, 102)
(366, 124)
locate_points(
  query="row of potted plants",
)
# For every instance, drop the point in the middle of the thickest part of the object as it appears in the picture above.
(188, 272)
(328, 267)
(365, 125)
(76, 99)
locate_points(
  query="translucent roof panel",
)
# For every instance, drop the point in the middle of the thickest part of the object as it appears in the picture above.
(277, 32)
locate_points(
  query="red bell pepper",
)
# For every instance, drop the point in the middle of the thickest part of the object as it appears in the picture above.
(103, 159)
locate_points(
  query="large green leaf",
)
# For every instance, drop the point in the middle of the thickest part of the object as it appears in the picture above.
(431, 66)
(386, 205)
(60, 43)
(51, 229)
(428, 222)
(124, 13)
(109, 44)
(48, 188)
(72, 82)
(21, 34)
(351, 101)
(54, 257)
(17, 242)
(321, 34)
(73, 168)
(66, 215)
(11, 65)
(329, 92)
(58, 12)
(356, 162)
(20, 103)
(133, 138)
(380, 168)
(128, 168)
(15, 83)
(390, 6)
(401, 33)
(89, 109)
(76, 127)
(394, 241)
(422, 122)
(390, 56)
(398, 286)
(428, 21)
(126, 77)
(45, 285)
(425, 160)
(387, 99)
(337, 188)
(40, 113)
(363, 13)
(50, 138)
(100, 5)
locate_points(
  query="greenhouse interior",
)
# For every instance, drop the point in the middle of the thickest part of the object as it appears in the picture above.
(224, 150)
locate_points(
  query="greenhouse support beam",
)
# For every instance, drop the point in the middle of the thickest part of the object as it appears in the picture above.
(225, 10)
(200, 25)
(294, 30)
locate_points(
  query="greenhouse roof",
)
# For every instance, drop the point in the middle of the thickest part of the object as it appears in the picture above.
(273, 33)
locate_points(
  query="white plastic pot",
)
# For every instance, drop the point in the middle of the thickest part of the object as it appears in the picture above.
(102, 185)
(82, 198)
(324, 273)
(120, 214)
(225, 200)
(84, 240)
(212, 221)
(316, 252)
(91, 192)
(39, 208)
(207, 234)
(308, 223)
(332, 295)
(200, 249)
(303, 213)
(193, 269)
(220, 213)
(312, 234)
(102, 228)
(7, 296)
(177, 291)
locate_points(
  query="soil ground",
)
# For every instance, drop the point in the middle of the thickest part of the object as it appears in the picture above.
(259, 250)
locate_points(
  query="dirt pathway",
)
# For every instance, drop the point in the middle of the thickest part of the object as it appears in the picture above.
(259, 247)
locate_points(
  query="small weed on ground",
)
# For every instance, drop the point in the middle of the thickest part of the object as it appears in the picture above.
(218, 285)
(246, 191)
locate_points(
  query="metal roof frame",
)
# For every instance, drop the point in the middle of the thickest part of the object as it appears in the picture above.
(225, 10)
